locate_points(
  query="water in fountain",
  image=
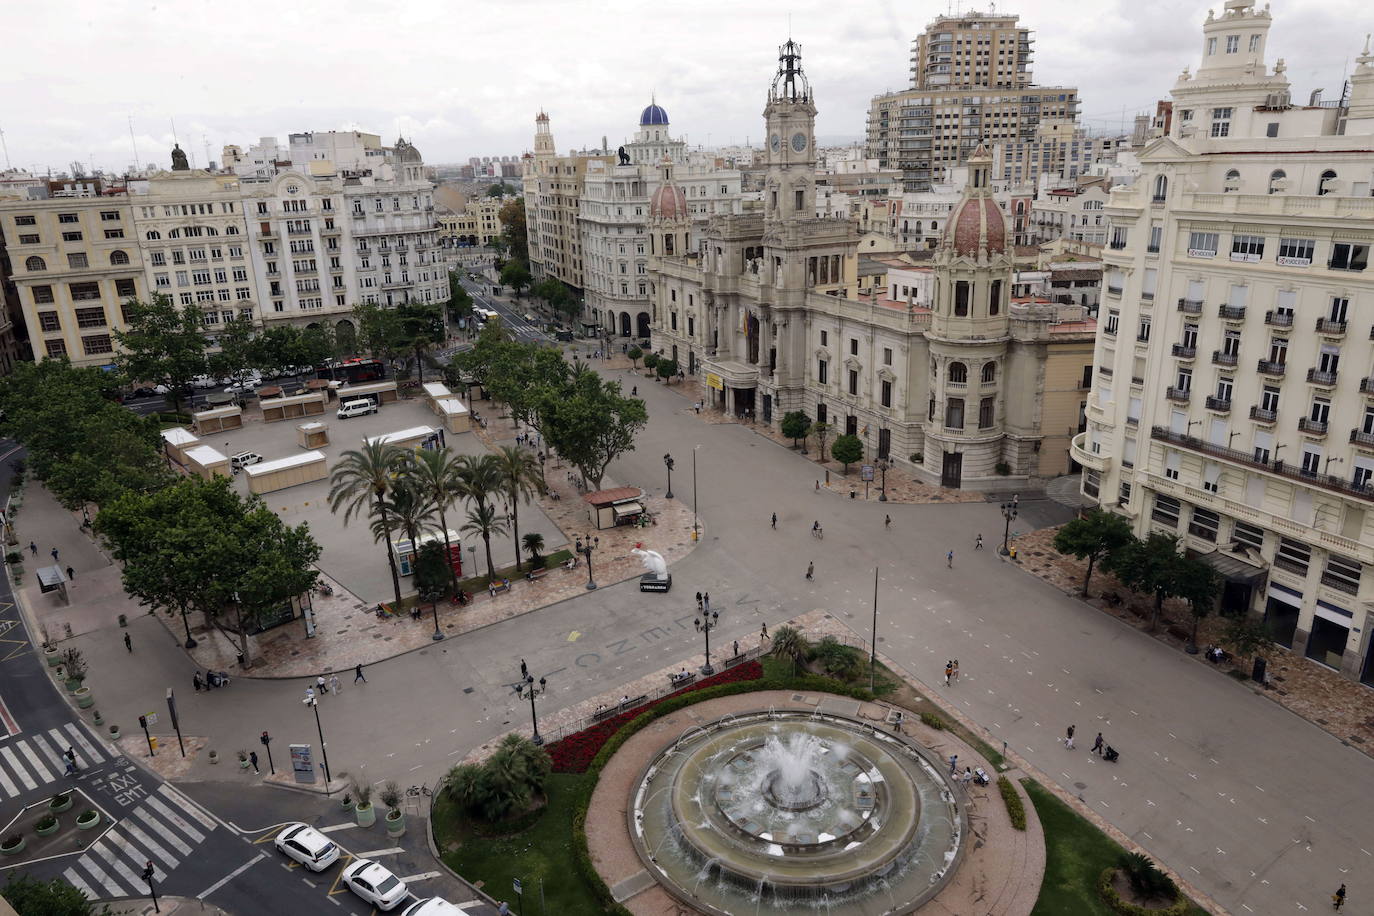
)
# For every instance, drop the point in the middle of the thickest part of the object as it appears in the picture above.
(792, 765)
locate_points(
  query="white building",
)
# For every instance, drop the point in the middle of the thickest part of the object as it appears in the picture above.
(1076, 212)
(1232, 400)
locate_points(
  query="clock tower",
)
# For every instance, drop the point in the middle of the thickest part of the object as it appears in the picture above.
(790, 186)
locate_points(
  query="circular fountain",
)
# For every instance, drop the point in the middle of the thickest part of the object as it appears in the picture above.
(775, 810)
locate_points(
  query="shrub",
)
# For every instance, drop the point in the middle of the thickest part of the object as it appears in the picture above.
(362, 791)
(1181, 906)
(505, 782)
(1144, 877)
(836, 659)
(1016, 810)
(932, 720)
(46, 822)
(14, 557)
(391, 795)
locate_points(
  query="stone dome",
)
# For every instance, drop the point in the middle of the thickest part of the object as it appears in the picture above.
(668, 202)
(653, 115)
(977, 222)
(405, 152)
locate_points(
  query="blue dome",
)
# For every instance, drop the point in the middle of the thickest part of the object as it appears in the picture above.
(653, 115)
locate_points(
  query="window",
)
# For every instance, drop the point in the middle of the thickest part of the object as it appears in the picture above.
(1189, 340)
(97, 343)
(1232, 44)
(1275, 177)
(1184, 381)
(1324, 184)
(1293, 556)
(82, 292)
(986, 410)
(825, 338)
(1161, 187)
(56, 348)
(957, 373)
(1113, 320)
(1342, 574)
(799, 200)
(1143, 335)
(1311, 460)
(41, 294)
(1211, 477)
(1254, 43)
(854, 381)
(853, 346)
(954, 413)
(35, 263)
(90, 318)
(109, 216)
(1211, 46)
(1166, 510)
(114, 233)
(71, 236)
(77, 260)
(68, 218)
(25, 221)
(48, 321)
(887, 356)
(989, 374)
(1124, 494)
(1202, 244)
(1204, 524)
(885, 396)
(995, 298)
(1278, 350)
(822, 373)
(961, 297)
(28, 239)
(1247, 247)
(125, 288)
(1249, 535)
(1295, 252)
(1348, 256)
(1118, 238)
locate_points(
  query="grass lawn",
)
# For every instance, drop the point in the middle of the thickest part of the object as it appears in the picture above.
(541, 853)
(1075, 854)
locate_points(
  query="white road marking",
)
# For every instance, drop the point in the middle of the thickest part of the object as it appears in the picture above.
(18, 768)
(422, 876)
(334, 827)
(208, 821)
(179, 821)
(92, 754)
(110, 884)
(37, 764)
(229, 877)
(378, 852)
(75, 881)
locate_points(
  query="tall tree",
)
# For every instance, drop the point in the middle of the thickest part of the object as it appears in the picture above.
(55, 897)
(520, 479)
(1092, 537)
(419, 327)
(407, 507)
(795, 425)
(435, 471)
(459, 299)
(514, 234)
(847, 449)
(592, 424)
(161, 343)
(1156, 567)
(515, 275)
(237, 352)
(379, 330)
(361, 482)
(484, 521)
(474, 364)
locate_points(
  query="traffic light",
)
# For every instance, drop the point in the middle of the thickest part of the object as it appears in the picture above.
(148, 872)
(265, 739)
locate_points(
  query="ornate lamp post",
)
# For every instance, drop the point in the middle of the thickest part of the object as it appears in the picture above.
(1009, 512)
(314, 703)
(705, 624)
(882, 487)
(528, 690)
(668, 463)
(585, 548)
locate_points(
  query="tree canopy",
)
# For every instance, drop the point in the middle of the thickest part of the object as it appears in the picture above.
(516, 275)
(847, 449)
(592, 424)
(162, 343)
(1155, 566)
(795, 425)
(514, 233)
(31, 897)
(1092, 537)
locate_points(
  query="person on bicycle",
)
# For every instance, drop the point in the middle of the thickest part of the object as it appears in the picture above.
(815, 526)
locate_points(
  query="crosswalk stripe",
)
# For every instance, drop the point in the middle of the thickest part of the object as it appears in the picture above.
(92, 754)
(75, 881)
(8, 784)
(23, 774)
(122, 843)
(117, 864)
(176, 819)
(185, 804)
(161, 830)
(110, 884)
(54, 757)
(37, 764)
(148, 842)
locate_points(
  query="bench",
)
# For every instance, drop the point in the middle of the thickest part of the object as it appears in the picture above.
(537, 573)
(734, 660)
(498, 587)
(681, 680)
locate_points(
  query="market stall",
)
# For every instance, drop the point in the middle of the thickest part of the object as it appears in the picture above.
(457, 418)
(217, 419)
(312, 435)
(292, 407)
(378, 392)
(618, 506)
(291, 471)
(412, 438)
(207, 462)
(176, 441)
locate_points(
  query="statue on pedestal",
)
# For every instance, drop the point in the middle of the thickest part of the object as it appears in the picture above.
(179, 163)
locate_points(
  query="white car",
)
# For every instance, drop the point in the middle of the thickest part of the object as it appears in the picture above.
(434, 906)
(375, 884)
(307, 846)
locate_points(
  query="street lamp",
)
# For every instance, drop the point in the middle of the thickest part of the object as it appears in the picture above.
(668, 462)
(705, 624)
(543, 475)
(526, 689)
(1009, 512)
(695, 530)
(882, 487)
(313, 702)
(585, 549)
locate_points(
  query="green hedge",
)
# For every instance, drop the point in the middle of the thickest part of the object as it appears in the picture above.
(1016, 810)
(1181, 906)
(933, 721)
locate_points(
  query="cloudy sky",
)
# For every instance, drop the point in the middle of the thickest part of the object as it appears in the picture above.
(466, 79)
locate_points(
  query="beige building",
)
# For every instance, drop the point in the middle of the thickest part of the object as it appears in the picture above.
(1232, 402)
(947, 375)
(970, 85)
(553, 187)
(478, 224)
(76, 261)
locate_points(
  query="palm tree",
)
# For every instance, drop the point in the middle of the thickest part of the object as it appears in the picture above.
(483, 520)
(436, 472)
(479, 476)
(520, 479)
(360, 482)
(534, 546)
(790, 642)
(407, 507)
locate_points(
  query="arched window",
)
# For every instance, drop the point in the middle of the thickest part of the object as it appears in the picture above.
(1274, 178)
(174, 233)
(211, 230)
(153, 235)
(1161, 187)
(1324, 185)
(35, 263)
(231, 230)
(957, 373)
(118, 258)
(1232, 180)
(989, 373)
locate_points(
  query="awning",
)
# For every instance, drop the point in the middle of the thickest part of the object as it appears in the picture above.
(625, 509)
(1233, 568)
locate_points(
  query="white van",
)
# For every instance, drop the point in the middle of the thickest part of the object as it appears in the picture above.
(243, 459)
(359, 407)
(434, 906)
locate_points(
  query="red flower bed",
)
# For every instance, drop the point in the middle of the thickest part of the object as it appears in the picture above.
(574, 753)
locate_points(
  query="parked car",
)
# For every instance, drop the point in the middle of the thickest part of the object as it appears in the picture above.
(207, 381)
(243, 459)
(359, 407)
(375, 884)
(307, 846)
(434, 906)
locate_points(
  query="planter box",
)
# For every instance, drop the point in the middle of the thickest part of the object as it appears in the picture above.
(49, 831)
(53, 656)
(84, 698)
(93, 822)
(14, 850)
(366, 817)
(58, 808)
(395, 826)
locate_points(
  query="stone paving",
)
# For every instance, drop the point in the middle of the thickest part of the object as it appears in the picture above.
(1342, 707)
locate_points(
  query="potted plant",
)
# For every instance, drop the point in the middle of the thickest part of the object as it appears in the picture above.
(347, 802)
(114, 732)
(47, 825)
(243, 760)
(363, 812)
(73, 668)
(97, 718)
(87, 819)
(60, 802)
(214, 756)
(52, 655)
(395, 820)
(123, 620)
(83, 696)
(12, 845)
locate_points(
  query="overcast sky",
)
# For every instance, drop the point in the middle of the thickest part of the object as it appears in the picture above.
(466, 79)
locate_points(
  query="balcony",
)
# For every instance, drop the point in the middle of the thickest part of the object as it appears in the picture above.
(1220, 405)
(1278, 319)
(1079, 451)
(1264, 415)
(1109, 330)
(1247, 459)
(1313, 427)
(1181, 395)
(1222, 358)
(1323, 379)
(305, 231)
(1231, 312)
(1152, 249)
(1269, 367)
(1114, 291)
(331, 230)
(1340, 583)
(1183, 352)
(1190, 306)
(1117, 245)
(1367, 385)
(1360, 437)
(1331, 327)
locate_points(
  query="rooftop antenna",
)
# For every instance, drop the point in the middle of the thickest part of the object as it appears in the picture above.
(6, 148)
(134, 140)
(206, 140)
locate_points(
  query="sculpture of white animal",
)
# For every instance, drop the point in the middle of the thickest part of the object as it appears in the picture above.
(653, 561)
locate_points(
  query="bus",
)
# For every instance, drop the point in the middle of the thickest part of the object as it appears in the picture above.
(485, 315)
(352, 369)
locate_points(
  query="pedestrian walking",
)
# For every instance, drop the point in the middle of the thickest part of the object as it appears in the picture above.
(706, 601)
(1097, 745)
(504, 909)
(954, 671)
(949, 559)
(253, 759)
(128, 642)
(1338, 898)
(978, 544)
(763, 633)
(1068, 738)
(358, 674)
(810, 571)
(319, 686)
(309, 694)
(953, 764)
(33, 547)
(196, 682)
(887, 521)
(71, 574)
(949, 672)
(524, 670)
(698, 601)
(54, 554)
(334, 684)
(897, 723)
(736, 647)
(775, 521)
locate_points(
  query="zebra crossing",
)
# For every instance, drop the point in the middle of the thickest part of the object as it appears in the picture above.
(27, 763)
(163, 830)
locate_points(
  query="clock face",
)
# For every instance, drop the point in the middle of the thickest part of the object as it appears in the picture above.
(799, 142)
(776, 143)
